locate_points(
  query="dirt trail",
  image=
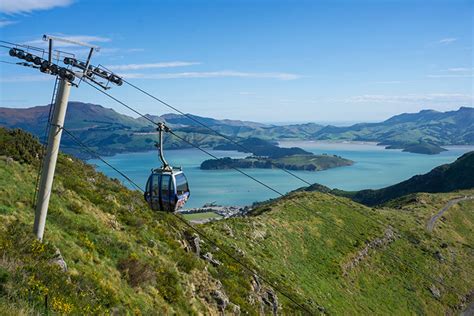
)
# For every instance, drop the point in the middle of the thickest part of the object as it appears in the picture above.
(432, 221)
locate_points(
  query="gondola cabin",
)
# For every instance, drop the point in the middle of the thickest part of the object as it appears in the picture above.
(167, 190)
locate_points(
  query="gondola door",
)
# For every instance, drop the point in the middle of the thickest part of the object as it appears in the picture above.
(166, 198)
(155, 192)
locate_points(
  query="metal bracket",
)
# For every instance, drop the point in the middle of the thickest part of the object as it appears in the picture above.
(50, 39)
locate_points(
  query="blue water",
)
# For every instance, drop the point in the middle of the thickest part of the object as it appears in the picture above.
(374, 167)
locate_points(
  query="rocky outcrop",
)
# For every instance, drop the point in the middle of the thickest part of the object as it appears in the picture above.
(211, 291)
(193, 243)
(378, 243)
(221, 299)
(59, 260)
(265, 296)
(209, 258)
(435, 291)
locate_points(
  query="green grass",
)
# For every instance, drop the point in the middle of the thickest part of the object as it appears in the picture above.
(104, 232)
(300, 249)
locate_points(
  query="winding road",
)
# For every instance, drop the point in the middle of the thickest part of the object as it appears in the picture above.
(432, 221)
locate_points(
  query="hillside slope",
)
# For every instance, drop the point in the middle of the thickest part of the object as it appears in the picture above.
(124, 259)
(445, 178)
(387, 267)
(121, 258)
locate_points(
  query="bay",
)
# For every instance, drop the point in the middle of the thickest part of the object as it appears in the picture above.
(374, 167)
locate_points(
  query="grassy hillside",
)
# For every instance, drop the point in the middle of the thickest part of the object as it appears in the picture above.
(124, 259)
(301, 249)
(120, 256)
(445, 178)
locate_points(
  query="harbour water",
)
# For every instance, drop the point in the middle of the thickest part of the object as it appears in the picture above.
(374, 167)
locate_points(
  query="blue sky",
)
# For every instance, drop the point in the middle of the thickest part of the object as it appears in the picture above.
(271, 61)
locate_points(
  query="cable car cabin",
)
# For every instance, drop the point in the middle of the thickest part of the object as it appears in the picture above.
(167, 190)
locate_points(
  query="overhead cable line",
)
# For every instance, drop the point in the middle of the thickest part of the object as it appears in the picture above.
(329, 220)
(174, 108)
(198, 231)
(190, 117)
(426, 276)
(97, 156)
(335, 223)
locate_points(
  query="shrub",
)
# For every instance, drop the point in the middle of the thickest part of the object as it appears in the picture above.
(135, 272)
(168, 284)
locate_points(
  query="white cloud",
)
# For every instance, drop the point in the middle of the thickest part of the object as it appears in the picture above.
(454, 72)
(460, 69)
(448, 40)
(26, 6)
(388, 82)
(4, 23)
(410, 98)
(215, 74)
(451, 76)
(152, 65)
(78, 38)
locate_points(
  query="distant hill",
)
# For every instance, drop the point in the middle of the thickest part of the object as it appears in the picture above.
(424, 132)
(113, 132)
(427, 126)
(79, 116)
(458, 175)
(100, 128)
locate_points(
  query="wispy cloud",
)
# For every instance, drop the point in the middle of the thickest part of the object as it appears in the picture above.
(411, 98)
(452, 76)
(460, 69)
(27, 6)
(454, 72)
(78, 38)
(447, 40)
(388, 82)
(152, 65)
(4, 23)
(215, 74)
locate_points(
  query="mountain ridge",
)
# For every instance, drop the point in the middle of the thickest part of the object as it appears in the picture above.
(423, 132)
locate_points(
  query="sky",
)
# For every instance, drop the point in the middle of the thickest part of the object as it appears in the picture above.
(260, 60)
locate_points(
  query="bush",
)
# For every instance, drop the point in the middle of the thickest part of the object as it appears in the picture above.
(4, 275)
(20, 145)
(168, 285)
(135, 272)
